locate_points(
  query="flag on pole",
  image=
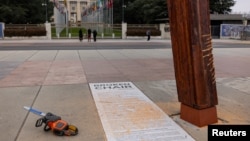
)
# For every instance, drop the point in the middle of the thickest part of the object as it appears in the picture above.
(107, 4)
(65, 3)
(110, 3)
(99, 4)
(56, 3)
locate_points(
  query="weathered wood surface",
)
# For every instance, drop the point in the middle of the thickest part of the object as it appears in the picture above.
(192, 52)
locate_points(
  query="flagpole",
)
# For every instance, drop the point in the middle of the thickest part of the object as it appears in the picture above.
(66, 17)
(67, 22)
(112, 15)
(112, 12)
(122, 11)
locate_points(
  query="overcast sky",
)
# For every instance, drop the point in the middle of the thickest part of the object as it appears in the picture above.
(241, 6)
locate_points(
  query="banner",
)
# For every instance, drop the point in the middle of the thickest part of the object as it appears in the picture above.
(1, 30)
(233, 30)
(60, 7)
(127, 114)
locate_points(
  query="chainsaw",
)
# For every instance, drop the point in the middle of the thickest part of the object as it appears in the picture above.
(54, 123)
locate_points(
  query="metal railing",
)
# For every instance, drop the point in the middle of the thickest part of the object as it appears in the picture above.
(103, 30)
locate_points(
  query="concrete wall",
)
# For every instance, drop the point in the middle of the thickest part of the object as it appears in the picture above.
(124, 30)
(165, 31)
(164, 28)
(48, 30)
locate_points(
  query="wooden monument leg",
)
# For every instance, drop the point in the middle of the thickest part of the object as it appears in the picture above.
(193, 60)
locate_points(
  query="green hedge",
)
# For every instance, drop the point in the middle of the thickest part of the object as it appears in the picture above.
(142, 32)
(74, 31)
(10, 32)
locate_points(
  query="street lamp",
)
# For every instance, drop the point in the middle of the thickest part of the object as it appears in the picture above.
(244, 20)
(45, 4)
(123, 6)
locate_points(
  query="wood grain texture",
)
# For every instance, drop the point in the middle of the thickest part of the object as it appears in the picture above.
(192, 52)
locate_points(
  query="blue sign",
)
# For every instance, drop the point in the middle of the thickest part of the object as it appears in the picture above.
(1, 30)
(231, 30)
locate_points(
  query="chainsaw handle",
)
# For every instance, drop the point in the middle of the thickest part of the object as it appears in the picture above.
(46, 128)
(39, 122)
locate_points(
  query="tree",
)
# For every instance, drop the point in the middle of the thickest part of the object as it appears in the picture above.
(147, 11)
(136, 11)
(118, 5)
(221, 6)
(24, 11)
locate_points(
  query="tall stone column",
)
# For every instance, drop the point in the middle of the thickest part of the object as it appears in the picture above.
(78, 11)
(193, 60)
(124, 30)
(68, 10)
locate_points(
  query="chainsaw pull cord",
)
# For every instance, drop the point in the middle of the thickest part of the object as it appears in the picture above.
(58, 126)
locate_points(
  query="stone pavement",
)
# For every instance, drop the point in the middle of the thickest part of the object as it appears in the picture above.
(57, 81)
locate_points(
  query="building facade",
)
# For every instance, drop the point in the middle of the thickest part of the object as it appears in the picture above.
(76, 12)
(75, 9)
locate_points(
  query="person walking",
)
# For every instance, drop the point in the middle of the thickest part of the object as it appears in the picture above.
(89, 35)
(80, 35)
(94, 35)
(148, 33)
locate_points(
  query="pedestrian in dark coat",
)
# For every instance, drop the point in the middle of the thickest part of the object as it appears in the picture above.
(148, 33)
(94, 35)
(80, 35)
(89, 35)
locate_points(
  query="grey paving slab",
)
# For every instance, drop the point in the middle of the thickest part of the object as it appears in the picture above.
(67, 55)
(4, 54)
(162, 53)
(6, 67)
(74, 104)
(65, 72)
(233, 52)
(232, 62)
(19, 56)
(29, 73)
(101, 67)
(44, 55)
(133, 54)
(111, 54)
(234, 103)
(90, 55)
(155, 53)
(241, 84)
(163, 93)
(12, 114)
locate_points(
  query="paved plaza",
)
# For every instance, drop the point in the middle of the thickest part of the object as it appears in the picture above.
(57, 81)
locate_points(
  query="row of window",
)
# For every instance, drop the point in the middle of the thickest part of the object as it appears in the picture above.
(73, 5)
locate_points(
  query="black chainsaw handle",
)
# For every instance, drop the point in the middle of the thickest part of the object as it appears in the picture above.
(49, 117)
(39, 122)
(46, 128)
